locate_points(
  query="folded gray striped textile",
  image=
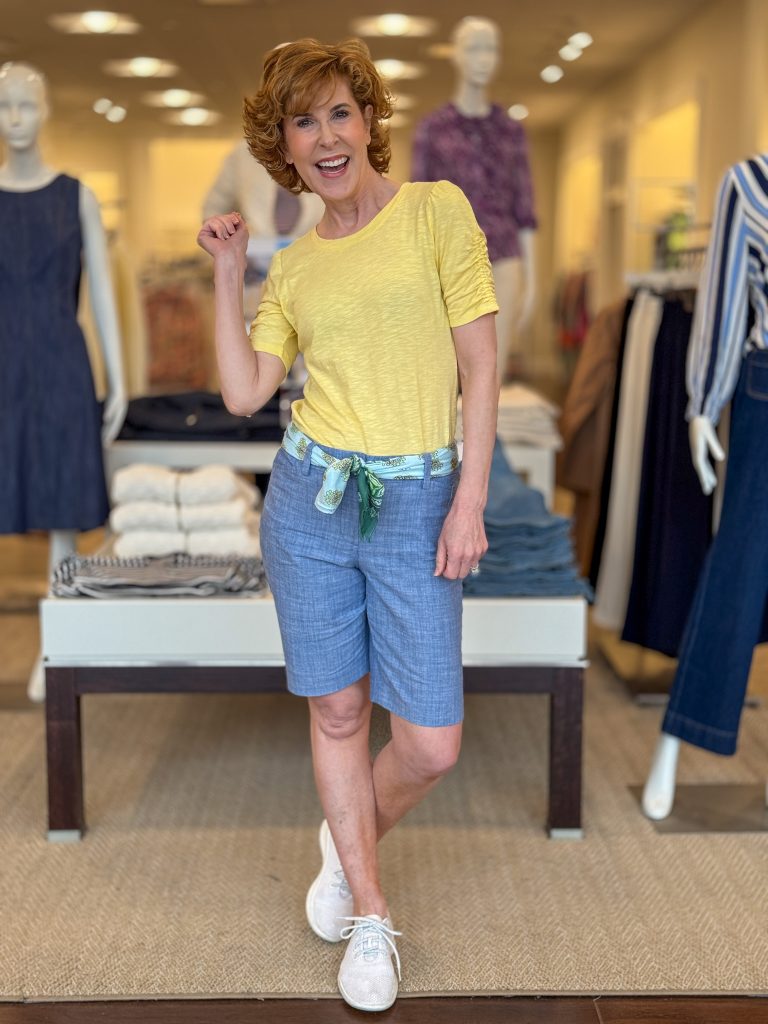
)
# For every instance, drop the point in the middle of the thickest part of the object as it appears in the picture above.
(175, 575)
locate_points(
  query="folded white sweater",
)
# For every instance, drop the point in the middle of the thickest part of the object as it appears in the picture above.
(141, 543)
(209, 484)
(159, 515)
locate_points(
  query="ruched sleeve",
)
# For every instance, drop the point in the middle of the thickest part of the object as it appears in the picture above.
(272, 330)
(461, 255)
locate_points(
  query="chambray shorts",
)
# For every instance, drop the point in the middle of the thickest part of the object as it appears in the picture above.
(348, 606)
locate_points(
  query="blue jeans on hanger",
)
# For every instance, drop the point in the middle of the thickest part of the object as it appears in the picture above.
(728, 611)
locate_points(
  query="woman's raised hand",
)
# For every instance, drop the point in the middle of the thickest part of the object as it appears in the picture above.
(224, 233)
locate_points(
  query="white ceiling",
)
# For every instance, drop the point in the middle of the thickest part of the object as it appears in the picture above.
(219, 50)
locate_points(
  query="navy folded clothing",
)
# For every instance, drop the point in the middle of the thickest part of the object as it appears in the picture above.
(197, 416)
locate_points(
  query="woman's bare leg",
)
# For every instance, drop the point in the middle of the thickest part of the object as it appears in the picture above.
(409, 766)
(340, 727)
(362, 801)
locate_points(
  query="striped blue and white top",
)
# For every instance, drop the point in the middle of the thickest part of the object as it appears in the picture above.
(735, 277)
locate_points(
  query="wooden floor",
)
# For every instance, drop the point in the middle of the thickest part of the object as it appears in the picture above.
(602, 1010)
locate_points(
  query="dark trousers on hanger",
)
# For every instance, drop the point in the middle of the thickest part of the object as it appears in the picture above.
(727, 616)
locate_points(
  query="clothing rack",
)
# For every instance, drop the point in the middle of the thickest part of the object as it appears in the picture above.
(639, 596)
(664, 282)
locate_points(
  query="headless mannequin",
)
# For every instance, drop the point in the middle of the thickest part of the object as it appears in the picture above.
(243, 184)
(659, 790)
(23, 111)
(476, 57)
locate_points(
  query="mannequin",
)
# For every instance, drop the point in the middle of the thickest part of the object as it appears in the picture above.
(243, 184)
(725, 359)
(38, 461)
(447, 144)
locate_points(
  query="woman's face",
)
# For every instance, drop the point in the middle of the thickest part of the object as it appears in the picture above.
(328, 144)
(23, 109)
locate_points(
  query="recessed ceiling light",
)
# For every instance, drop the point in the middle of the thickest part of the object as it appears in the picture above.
(393, 25)
(173, 98)
(194, 117)
(392, 69)
(518, 112)
(570, 51)
(551, 73)
(102, 105)
(581, 39)
(100, 21)
(141, 67)
(95, 22)
(116, 114)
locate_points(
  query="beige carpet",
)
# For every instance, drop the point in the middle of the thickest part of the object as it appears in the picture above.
(203, 819)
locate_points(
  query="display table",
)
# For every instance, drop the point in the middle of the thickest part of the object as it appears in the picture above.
(535, 465)
(232, 645)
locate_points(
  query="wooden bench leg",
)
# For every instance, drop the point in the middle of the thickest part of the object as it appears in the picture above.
(565, 728)
(66, 819)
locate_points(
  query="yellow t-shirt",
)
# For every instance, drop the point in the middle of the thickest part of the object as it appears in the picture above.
(372, 315)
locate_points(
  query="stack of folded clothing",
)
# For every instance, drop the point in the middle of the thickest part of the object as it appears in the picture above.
(530, 553)
(525, 418)
(208, 511)
(171, 576)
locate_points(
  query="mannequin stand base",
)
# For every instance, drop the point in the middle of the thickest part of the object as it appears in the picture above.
(714, 808)
(64, 835)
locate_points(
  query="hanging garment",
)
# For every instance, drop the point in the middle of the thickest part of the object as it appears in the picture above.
(674, 516)
(51, 468)
(616, 567)
(607, 470)
(585, 424)
(729, 608)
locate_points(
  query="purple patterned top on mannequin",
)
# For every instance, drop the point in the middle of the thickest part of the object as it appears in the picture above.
(487, 157)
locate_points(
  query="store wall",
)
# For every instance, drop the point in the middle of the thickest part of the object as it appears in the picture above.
(715, 66)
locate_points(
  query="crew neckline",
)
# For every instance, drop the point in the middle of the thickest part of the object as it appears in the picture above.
(373, 224)
(31, 191)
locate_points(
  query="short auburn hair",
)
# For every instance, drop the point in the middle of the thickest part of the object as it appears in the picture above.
(293, 76)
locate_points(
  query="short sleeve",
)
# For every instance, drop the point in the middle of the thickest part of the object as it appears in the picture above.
(271, 330)
(523, 199)
(461, 254)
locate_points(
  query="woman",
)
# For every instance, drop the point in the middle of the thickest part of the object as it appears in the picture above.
(384, 298)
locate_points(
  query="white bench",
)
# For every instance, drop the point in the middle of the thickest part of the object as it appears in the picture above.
(207, 645)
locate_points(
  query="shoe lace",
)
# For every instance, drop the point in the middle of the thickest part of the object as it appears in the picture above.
(342, 885)
(371, 936)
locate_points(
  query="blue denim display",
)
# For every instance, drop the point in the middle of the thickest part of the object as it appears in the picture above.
(530, 553)
(728, 610)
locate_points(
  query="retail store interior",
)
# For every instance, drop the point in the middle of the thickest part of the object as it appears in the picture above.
(602, 861)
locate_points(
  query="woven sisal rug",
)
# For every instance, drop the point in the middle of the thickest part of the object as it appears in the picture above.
(202, 841)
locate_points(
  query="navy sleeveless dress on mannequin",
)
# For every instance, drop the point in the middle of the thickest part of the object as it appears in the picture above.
(51, 466)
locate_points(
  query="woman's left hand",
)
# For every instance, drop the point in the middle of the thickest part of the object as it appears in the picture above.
(462, 542)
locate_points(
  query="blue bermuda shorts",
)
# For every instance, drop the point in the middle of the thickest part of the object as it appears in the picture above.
(348, 606)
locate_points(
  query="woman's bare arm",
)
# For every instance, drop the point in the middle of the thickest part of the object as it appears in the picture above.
(247, 379)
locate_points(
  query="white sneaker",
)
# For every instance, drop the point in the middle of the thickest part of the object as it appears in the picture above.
(367, 978)
(329, 899)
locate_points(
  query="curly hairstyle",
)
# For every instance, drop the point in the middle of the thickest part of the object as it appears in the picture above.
(293, 76)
